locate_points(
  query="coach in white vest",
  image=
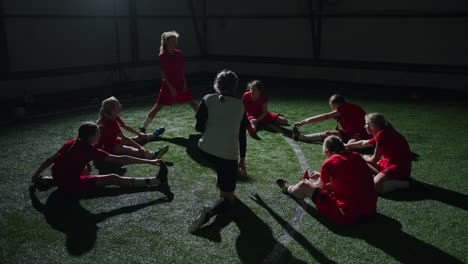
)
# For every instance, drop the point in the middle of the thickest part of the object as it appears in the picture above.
(222, 121)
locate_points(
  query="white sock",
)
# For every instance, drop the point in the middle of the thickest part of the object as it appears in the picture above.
(311, 137)
(393, 185)
(290, 189)
(149, 155)
(148, 120)
(144, 182)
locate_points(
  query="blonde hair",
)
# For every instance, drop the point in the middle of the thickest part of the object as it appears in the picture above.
(107, 107)
(165, 37)
(378, 119)
(257, 84)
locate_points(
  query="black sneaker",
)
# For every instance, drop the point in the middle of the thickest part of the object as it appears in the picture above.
(160, 152)
(44, 183)
(142, 130)
(162, 173)
(283, 184)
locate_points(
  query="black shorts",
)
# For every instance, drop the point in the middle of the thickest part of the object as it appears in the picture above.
(226, 171)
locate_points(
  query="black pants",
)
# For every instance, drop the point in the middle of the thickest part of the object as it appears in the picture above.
(226, 171)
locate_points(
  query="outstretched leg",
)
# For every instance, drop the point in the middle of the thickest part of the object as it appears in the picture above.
(152, 113)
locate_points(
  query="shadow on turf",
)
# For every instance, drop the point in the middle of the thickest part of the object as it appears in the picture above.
(63, 212)
(191, 146)
(255, 241)
(386, 234)
(425, 191)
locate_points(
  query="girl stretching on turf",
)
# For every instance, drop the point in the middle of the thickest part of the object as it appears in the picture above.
(344, 191)
(392, 157)
(256, 106)
(71, 169)
(114, 141)
(174, 85)
(350, 116)
(222, 121)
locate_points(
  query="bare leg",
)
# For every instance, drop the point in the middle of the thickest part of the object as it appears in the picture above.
(281, 121)
(152, 113)
(303, 189)
(127, 150)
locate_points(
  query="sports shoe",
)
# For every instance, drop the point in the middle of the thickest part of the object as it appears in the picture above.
(295, 133)
(283, 184)
(142, 130)
(162, 173)
(44, 183)
(159, 131)
(160, 152)
(201, 219)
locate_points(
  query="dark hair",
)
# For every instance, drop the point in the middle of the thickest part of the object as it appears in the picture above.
(333, 144)
(225, 83)
(257, 84)
(85, 131)
(337, 99)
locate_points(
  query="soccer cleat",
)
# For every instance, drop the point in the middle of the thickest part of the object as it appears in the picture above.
(142, 130)
(295, 133)
(159, 131)
(160, 152)
(283, 184)
(162, 173)
(201, 219)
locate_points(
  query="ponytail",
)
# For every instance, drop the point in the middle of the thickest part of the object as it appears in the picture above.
(225, 83)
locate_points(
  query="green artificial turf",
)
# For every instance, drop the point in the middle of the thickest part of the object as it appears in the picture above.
(145, 227)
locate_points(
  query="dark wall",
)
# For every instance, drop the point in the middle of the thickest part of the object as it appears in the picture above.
(336, 38)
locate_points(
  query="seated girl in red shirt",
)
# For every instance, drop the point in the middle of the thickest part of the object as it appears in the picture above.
(114, 141)
(256, 106)
(350, 116)
(392, 157)
(344, 191)
(71, 170)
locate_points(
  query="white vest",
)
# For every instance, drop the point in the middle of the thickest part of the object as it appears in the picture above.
(221, 136)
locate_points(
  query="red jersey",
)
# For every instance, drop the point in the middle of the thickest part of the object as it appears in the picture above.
(254, 108)
(70, 163)
(109, 131)
(352, 183)
(395, 150)
(173, 66)
(352, 120)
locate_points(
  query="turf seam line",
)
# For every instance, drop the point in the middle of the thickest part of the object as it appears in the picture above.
(280, 246)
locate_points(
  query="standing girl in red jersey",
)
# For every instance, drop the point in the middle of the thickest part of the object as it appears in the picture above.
(174, 85)
(392, 157)
(344, 191)
(71, 170)
(350, 116)
(256, 106)
(114, 141)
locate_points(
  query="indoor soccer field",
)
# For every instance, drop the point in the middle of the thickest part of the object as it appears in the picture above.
(427, 225)
(60, 60)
